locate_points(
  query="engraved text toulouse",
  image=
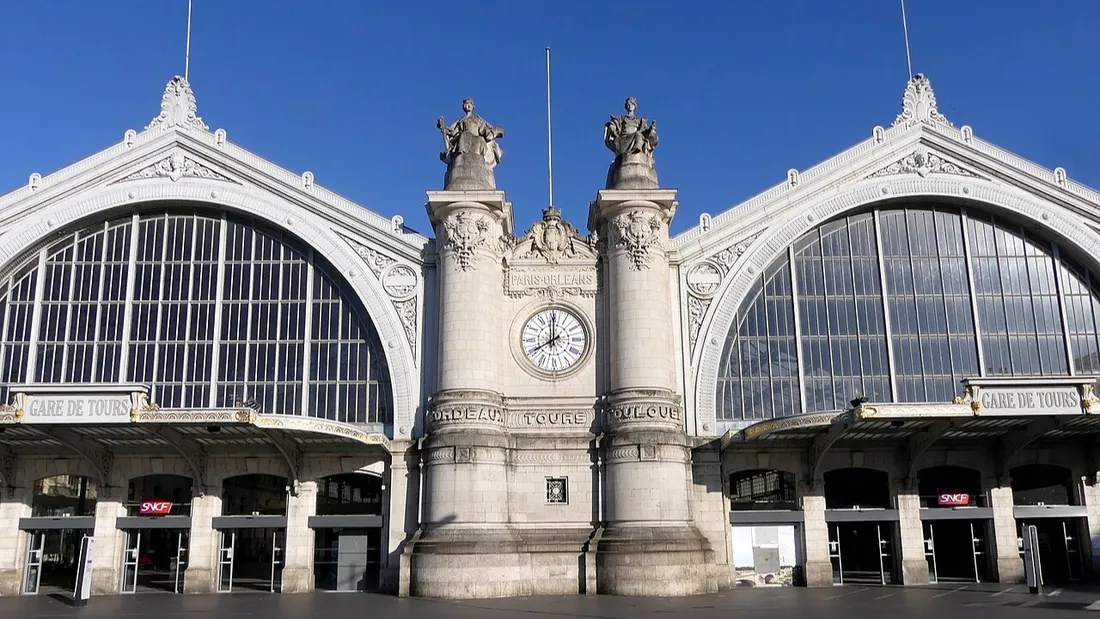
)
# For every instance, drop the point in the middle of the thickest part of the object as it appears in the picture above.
(627, 413)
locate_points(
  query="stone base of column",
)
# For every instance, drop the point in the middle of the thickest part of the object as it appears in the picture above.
(818, 573)
(297, 580)
(1010, 570)
(914, 572)
(11, 582)
(465, 563)
(105, 581)
(654, 561)
(198, 580)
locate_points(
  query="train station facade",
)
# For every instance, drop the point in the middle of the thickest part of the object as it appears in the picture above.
(231, 378)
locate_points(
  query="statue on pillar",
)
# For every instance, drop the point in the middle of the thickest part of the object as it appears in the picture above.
(633, 140)
(470, 150)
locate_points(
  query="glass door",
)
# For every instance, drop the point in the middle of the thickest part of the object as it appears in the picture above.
(885, 554)
(977, 535)
(131, 556)
(181, 559)
(278, 537)
(834, 554)
(33, 574)
(1073, 550)
(225, 562)
(930, 552)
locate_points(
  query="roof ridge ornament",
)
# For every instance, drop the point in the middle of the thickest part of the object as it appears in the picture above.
(178, 108)
(918, 105)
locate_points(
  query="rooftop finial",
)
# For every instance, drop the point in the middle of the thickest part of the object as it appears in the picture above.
(919, 104)
(178, 108)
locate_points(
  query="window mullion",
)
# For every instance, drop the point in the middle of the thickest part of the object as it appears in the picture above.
(1059, 284)
(968, 259)
(250, 306)
(186, 388)
(36, 317)
(307, 336)
(63, 337)
(219, 303)
(128, 311)
(279, 335)
(164, 265)
(799, 355)
(100, 309)
(8, 289)
(887, 327)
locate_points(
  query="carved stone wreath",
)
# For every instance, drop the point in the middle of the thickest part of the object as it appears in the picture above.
(466, 233)
(638, 233)
(922, 163)
(174, 167)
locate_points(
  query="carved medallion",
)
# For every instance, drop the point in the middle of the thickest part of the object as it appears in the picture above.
(466, 233)
(637, 232)
(922, 163)
(704, 279)
(399, 281)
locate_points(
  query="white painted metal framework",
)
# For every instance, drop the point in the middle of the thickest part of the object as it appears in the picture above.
(209, 310)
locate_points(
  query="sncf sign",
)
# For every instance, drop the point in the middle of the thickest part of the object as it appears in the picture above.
(953, 498)
(154, 507)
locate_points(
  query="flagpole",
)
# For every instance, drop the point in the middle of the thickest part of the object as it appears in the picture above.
(905, 29)
(187, 52)
(549, 137)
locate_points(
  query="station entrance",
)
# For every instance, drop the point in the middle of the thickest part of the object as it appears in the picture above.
(157, 534)
(956, 520)
(862, 527)
(251, 551)
(1044, 497)
(348, 533)
(62, 515)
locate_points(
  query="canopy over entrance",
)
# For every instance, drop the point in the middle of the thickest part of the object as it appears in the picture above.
(1006, 413)
(102, 421)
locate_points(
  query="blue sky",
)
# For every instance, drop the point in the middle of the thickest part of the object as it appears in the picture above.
(742, 91)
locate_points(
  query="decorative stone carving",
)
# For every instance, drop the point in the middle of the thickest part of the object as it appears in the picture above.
(376, 261)
(406, 312)
(704, 279)
(470, 150)
(466, 233)
(633, 141)
(918, 105)
(178, 108)
(697, 310)
(174, 167)
(637, 232)
(726, 258)
(922, 163)
(552, 238)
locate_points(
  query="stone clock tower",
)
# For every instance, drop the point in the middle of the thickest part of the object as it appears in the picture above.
(555, 459)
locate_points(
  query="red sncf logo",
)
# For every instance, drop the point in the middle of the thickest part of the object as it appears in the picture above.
(153, 507)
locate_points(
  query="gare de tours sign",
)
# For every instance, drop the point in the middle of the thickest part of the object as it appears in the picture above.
(60, 405)
(1011, 397)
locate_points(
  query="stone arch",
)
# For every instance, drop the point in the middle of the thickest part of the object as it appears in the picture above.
(130, 469)
(319, 467)
(762, 488)
(937, 478)
(30, 469)
(404, 378)
(1058, 223)
(222, 468)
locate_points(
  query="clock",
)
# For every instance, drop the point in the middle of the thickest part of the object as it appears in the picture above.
(554, 340)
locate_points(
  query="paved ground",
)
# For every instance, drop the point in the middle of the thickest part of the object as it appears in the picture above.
(931, 602)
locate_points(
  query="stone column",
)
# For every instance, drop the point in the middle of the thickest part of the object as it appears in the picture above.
(712, 509)
(914, 567)
(1009, 565)
(817, 567)
(466, 549)
(202, 552)
(651, 545)
(402, 481)
(107, 554)
(299, 539)
(14, 504)
(1090, 498)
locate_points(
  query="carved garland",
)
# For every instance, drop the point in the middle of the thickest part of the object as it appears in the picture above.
(922, 163)
(638, 233)
(466, 233)
(406, 308)
(174, 167)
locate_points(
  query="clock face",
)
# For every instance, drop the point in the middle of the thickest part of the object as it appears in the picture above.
(554, 340)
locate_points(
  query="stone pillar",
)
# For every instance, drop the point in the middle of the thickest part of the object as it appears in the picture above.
(14, 504)
(109, 540)
(299, 539)
(817, 567)
(712, 509)
(466, 549)
(1090, 498)
(402, 481)
(202, 552)
(651, 545)
(914, 567)
(1009, 565)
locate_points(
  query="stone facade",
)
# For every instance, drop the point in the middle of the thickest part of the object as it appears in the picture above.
(521, 463)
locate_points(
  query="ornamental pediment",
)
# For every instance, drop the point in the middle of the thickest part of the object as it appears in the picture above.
(550, 241)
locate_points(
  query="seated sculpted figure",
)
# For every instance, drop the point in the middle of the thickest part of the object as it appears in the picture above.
(632, 140)
(470, 135)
